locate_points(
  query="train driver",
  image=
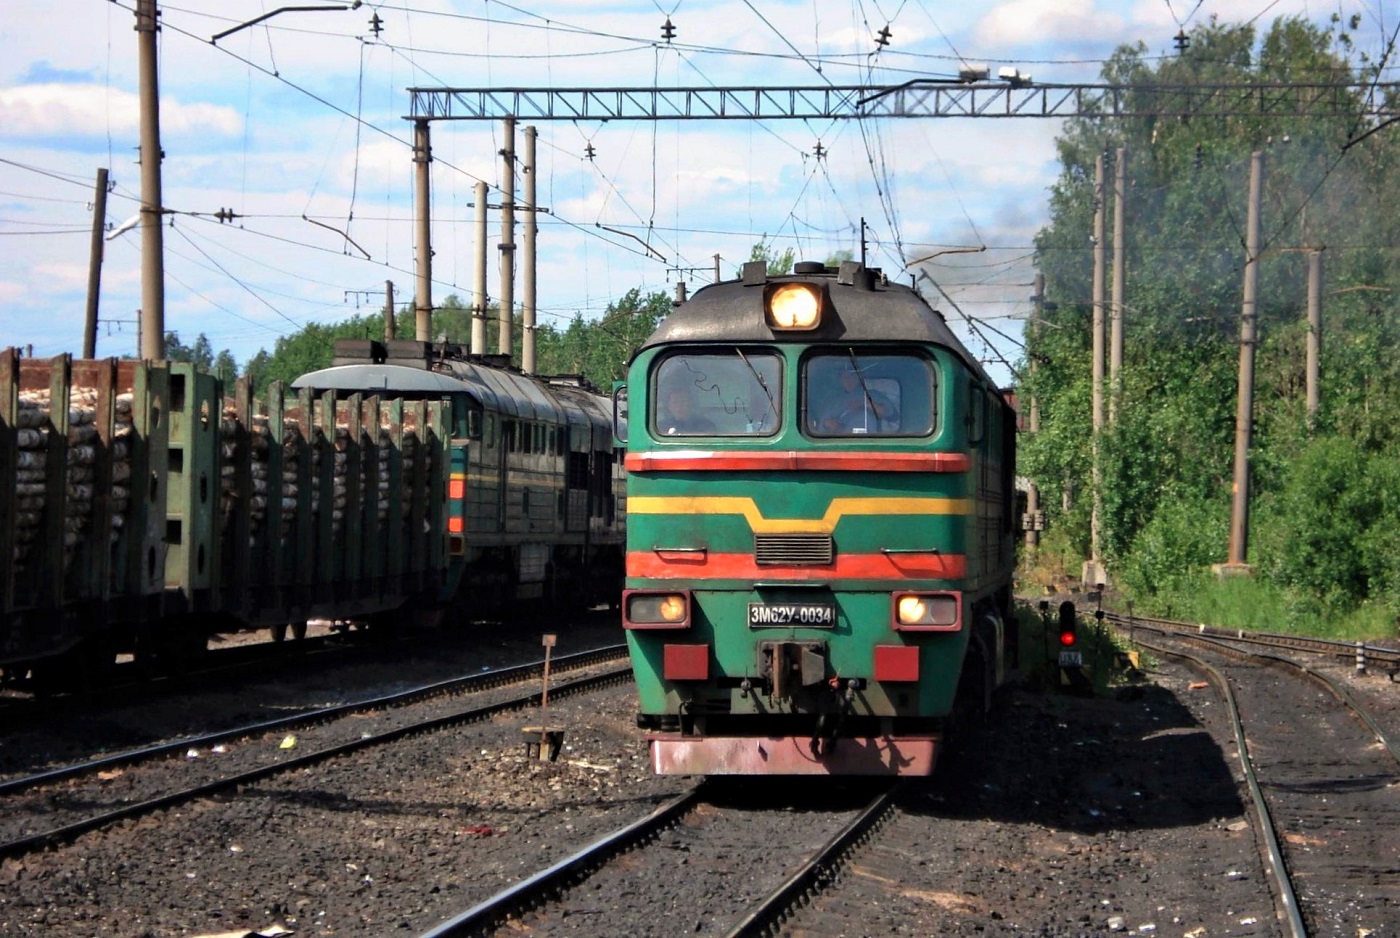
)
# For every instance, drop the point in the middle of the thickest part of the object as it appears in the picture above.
(678, 413)
(855, 407)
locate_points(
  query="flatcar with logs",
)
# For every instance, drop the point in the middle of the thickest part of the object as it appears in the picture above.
(821, 503)
(152, 508)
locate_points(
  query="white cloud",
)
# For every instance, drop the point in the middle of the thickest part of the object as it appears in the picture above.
(1033, 22)
(62, 277)
(46, 110)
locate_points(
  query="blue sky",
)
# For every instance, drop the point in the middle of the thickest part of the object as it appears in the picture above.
(299, 121)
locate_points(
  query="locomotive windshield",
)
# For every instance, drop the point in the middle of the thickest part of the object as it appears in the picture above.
(847, 392)
(733, 393)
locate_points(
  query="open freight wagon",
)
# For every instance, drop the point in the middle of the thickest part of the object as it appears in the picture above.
(148, 510)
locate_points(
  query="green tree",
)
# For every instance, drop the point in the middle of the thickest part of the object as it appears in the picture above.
(226, 367)
(312, 348)
(201, 353)
(1168, 459)
(778, 264)
(601, 350)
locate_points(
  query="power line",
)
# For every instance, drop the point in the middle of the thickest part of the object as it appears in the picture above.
(251, 292)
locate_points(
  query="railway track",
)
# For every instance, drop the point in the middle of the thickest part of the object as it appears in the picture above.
(1380, 656)
(1069, 816)
(1321, 768)
(132, 681)
(708, 889)
(57, 805)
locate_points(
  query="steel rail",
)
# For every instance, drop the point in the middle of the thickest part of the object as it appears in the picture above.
(69, 831)
(1324, 646)
(1274, 853)
(493, 912)
(818, 871)
(1341, 693)
(485, 681)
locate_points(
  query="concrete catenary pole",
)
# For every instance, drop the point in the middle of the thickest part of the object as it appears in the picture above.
(389, 311)
(1092, 570)
(423, 294)
(503, 335)
(152, 234)
(1033, 490)
(99, 217)
(716, 268)
(1115, 344)
(1244, 410)
(1314, 333)
(479, 288)
(527, 274)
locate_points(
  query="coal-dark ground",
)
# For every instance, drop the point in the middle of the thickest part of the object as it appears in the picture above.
(1066, 816)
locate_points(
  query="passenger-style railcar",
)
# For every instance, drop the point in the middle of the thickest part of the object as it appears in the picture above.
(820, 547)
(536, 503)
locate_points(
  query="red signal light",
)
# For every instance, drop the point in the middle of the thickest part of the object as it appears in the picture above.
(1068, 620)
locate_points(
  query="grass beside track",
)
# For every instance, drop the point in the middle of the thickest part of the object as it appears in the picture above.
(1260, 606)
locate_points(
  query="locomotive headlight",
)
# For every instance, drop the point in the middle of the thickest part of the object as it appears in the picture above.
(934, 612)
(912, 609)
(794, 306)
(653, 610)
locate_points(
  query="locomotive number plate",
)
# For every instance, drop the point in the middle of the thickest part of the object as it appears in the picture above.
(812, 615)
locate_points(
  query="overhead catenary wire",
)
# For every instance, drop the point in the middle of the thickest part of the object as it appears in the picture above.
(852, 60)
(882, 148)
(360, 122)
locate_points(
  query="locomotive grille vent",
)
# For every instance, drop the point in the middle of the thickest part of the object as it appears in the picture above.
(792, 549)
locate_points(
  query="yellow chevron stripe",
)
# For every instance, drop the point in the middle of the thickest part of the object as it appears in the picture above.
(839, 508)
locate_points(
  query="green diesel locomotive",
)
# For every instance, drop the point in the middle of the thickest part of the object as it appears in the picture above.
(820, 489)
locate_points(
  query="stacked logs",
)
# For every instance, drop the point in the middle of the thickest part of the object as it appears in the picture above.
(34, 425)
(374, 463)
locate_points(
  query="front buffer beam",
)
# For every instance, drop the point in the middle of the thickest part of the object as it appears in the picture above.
(793, 755)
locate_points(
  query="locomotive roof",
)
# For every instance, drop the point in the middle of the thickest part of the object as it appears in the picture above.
(864, 308)
(507, 392)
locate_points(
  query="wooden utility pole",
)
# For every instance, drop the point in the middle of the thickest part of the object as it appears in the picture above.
(1033, 490)
(1314, 333)
(1093, 570)
(479, 287)
(99, 217)
(527, 311)
(423, 295)
(152, 329)
(503, 335)
(1244, 410)
(1115, 345)
(389, 311)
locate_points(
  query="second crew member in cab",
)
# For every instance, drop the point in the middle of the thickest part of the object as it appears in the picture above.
(854, 406)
